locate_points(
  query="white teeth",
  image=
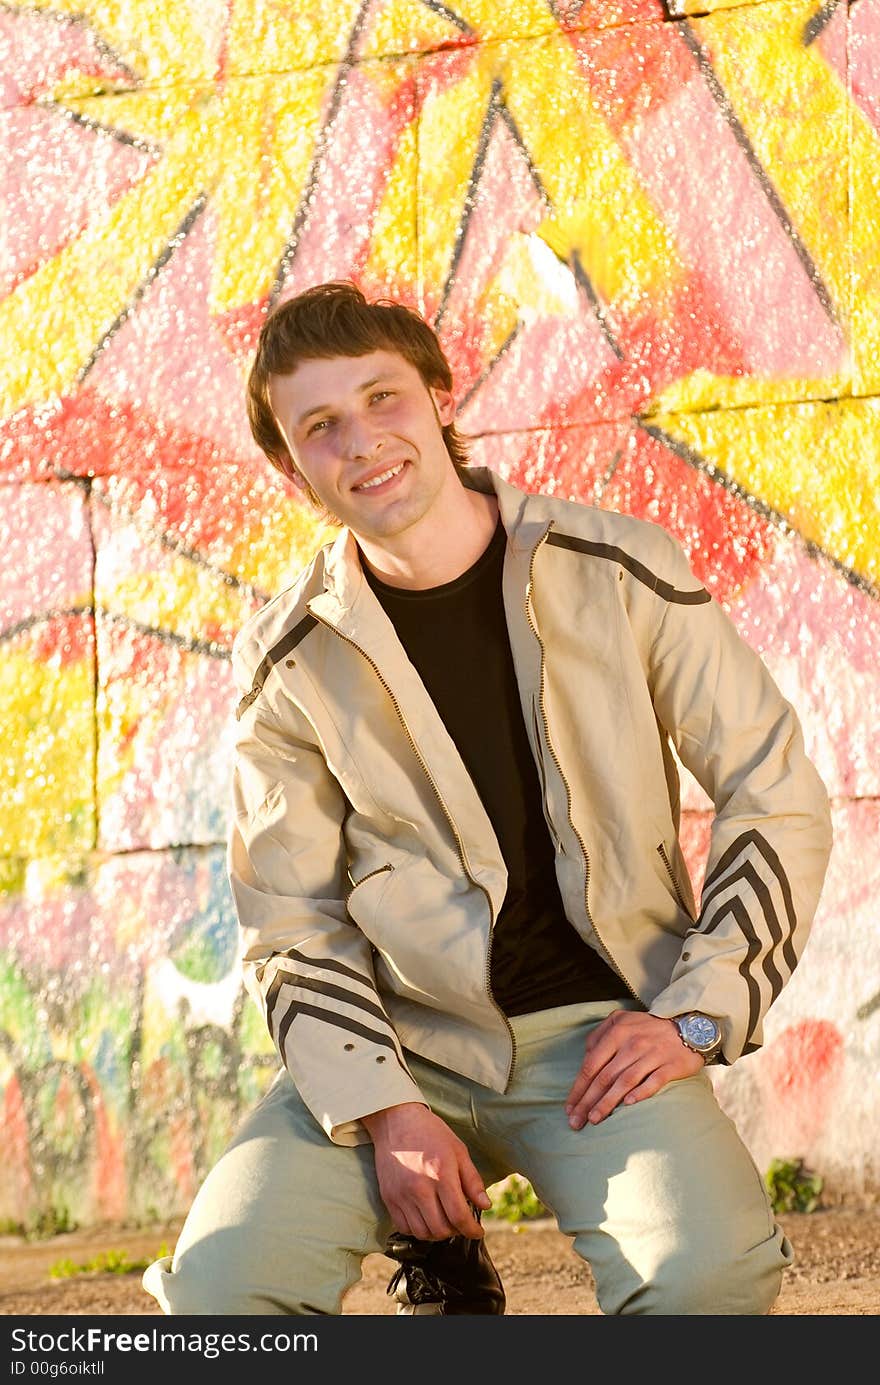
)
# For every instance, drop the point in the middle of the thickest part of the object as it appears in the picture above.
(377, 480)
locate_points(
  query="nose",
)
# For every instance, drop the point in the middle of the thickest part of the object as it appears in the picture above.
(361, 439)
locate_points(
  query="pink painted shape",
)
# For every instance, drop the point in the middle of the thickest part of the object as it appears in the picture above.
(179, 745)
(109, 1184)
(54, 930)
(121, 552)
(801, 1071)
(15, 1160)
(571, 463)
(589, 14)
(61, 929)
(695, 836)
(833, 41)
(548, 358)
(337, 234)
(820, 637)
(44, 536)
(38, 49)
(55, 177)
(712, 202)
(846, 921)
(506, 202)
(169, 361)
(201, 509)
(170, 890)
(124, 552)
(865, 58)
(179, 705)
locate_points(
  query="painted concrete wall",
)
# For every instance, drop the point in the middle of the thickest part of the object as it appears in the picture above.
(650, 241)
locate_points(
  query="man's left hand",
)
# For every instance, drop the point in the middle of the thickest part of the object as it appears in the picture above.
(628, 1057)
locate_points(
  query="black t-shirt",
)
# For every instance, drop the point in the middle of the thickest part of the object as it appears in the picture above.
(456, 637)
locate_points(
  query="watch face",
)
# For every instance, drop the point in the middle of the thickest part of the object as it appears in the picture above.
(701, 1031)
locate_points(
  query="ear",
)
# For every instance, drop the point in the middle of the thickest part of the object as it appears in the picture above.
(289, 470)
(444, 403)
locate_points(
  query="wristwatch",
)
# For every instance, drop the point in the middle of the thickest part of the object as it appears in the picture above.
(700, 1033)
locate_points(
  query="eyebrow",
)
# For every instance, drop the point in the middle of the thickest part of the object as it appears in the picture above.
(367, 385)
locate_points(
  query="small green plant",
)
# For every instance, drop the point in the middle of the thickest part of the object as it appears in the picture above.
(55, 1221)
(514, 1199)
(792, 1186)
(107, 1262)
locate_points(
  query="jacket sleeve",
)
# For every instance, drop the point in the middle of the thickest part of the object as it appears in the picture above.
(771, 835)
(307, 966)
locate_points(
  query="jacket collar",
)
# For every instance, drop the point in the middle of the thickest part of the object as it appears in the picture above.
(524, 518)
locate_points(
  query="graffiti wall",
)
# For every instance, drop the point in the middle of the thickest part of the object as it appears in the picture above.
(648, 235)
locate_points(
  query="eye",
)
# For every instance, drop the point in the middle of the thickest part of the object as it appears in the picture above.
(318, 426)
(379, 395)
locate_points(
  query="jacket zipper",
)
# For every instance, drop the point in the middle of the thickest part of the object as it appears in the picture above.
(458, 842)
(661, 851)
(550, 747)
(542, 776)
(355, 884)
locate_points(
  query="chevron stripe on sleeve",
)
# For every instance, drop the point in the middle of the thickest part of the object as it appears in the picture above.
(749, 890)
(326, 990)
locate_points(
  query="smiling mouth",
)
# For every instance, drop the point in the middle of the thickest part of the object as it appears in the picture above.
(384, 477)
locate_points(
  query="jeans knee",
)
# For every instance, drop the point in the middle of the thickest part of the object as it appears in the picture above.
(205, 1291)
(730, 1289)
(745, 1283)
(180, 1290)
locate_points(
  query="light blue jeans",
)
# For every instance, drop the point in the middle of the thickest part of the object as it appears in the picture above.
(662, 1198)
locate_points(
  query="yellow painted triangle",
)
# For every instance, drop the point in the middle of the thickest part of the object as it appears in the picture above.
(154, 40)
(816, 465)
(180, 597)
(277, 38)
(272, 125)
(151, 118)
(46, 789)
(703, 389)
(271, 548)
(600, 209)
(407, 26)
(497, 18)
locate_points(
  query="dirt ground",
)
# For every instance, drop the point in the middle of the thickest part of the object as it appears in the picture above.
(836, 1270)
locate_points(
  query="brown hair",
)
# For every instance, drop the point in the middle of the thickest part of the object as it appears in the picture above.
(336, 319)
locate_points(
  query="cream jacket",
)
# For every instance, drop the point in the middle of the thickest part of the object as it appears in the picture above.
(367, 876)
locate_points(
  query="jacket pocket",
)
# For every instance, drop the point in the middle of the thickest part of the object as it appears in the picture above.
(363, 898)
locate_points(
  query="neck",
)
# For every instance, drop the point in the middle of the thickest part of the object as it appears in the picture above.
(448, 540)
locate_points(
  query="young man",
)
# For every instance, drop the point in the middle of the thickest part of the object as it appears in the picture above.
(455, 861)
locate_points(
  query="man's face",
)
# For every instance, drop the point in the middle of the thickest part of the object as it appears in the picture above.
(365, 433)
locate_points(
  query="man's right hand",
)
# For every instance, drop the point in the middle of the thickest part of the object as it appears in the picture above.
(426, 1176)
